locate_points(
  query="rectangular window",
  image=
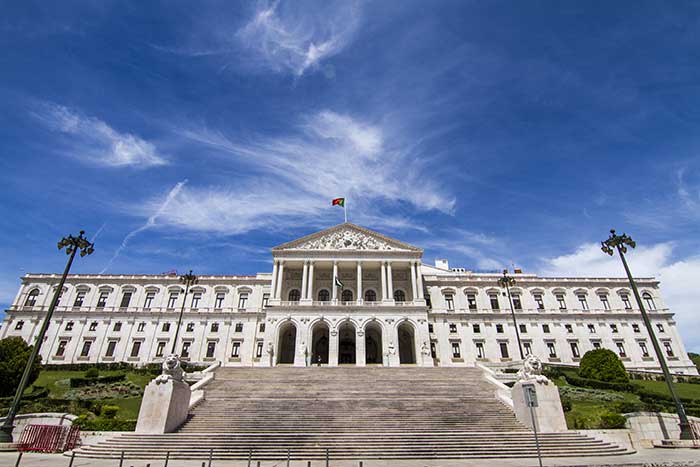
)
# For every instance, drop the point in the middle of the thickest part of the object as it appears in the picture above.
(471, 301)
(494, 302)
(136, 348)
(430, 328)
(574, 350)
(613, 328)
(499, 328)
(539, 301)
(93, 326)
(239, 327)
(480, 350)
(102, 300)
(455, 350)
(258, 350)
(214, 327)
(596, 345)
(190, 327)
(160, 349)
(211, 348)
(644, 349)
(569, 328)
(528, 348)
(242, 301)
(111, 346)
(552, 350)
(523, 328)
(85, 351)
(545, 328)
(61, 348)
(433, 350)
(583, 302)
(621, 349)
(236, 350)
(476, 328)
(450, 301)
(166, 327)
(453, 328)
(635, 327)
(19, 325)
(219, 301)
(186, 349)
(517, 304)
(561, 301)
(142, 327)
(591, 328)
(126, 299)
(668, 348)
(172, 300)
(504, 349)
(660, 327)
(79, 299)
(262, 327)
(605, 302)
(149, 299)
(626, 301)
(117, 326)
(69, 326)
(266, 300)
(196, 297)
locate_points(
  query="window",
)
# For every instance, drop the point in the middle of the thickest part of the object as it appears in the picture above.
(450, 301)
(85, 351)
(258, 350)
(613, 328)
(499, 328)
(545, 328)
(117, 326)
(660, 327)
(591, 328)
(370, 295)
(668, 348)
(399, 296)
(69, 325)
(471, 301)
(430, 328)
(596, 345)
(621, 349)
(126, 298)
(325, 296)
(523, 328)
(239, 327)
(346, 296)
(561, 301)
(141, 327)
(149, 299)
(517, 304)
(569, 328)
(102, 300)
(494, 302)
(160, 349)
(455, 350)
(219, 301)
(476, 328)
(605, 302)
(428, 302)
(644, 349)
(166, 327)
(236, 350)
(480, 350)
(433, 350)
(214, 327)
(172, 300)
(552, 350)
(504, 349)
(190, 327)
(60, 296)
(294, 295)
(528, 348)
(31, 298)
(453, 328)
(266, 300)
(635, 327)
(242, 301)
(582, 300)
(211, 348)
(261, 327)
(626, 301)
(574, 350)
(196, 297)
(186, 349)
(111, 346)
(648, 301)
(61, 350)
(93, 326)
(539, 301)
(19, 325)
(79, 298)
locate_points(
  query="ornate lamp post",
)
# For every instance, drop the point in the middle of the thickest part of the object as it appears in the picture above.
(72, 245)
(189, 280)
(508, 282)
(621, 242)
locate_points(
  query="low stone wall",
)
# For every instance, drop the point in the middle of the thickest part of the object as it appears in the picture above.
(624, 438)
(647, 427)
(47, 418)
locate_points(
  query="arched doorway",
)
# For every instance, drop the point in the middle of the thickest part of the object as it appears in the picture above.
(346, 344)
(286, 343)
(373, 344)
(407, 344)
(319, 344)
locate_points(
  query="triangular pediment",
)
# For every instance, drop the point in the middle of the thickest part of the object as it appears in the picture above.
(347, 237)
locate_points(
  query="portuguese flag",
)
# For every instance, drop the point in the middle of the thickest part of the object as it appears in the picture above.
(338, 202)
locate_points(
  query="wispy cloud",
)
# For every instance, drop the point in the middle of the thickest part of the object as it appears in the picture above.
(95, 142)
(288, 38)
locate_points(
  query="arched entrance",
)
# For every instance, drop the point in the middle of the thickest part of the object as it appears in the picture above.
(373, 344)
(346, 344)
(407, 344)
(286, 344)
(319, 344)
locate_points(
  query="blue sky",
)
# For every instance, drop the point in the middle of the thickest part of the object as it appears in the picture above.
(490, 133)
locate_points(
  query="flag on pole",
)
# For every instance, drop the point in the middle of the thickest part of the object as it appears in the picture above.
(341, 202)
(338, 283)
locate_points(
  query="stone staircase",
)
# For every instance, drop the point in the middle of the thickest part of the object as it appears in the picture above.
(349, 413)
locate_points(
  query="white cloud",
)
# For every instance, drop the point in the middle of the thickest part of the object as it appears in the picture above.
(287, 37)
(678, 278)
(95, 142)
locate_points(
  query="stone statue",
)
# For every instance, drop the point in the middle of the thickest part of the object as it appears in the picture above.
(392, 349)
(532, 370)
(171, 370)
(425, 350)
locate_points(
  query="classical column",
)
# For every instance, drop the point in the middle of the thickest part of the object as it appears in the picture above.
(335, 275)
(360, 296)
(383, 272)
(414, 289)
(280, 279)
(273, 285)
(304, 279)
(419, 280)
(389, 282)
(310, 291)
(360, 352)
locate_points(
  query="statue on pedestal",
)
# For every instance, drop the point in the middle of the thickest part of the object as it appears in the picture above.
(532, 370)
(172, 370)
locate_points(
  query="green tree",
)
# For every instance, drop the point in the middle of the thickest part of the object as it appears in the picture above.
(695, 358)
(14, 353)
(603, 365)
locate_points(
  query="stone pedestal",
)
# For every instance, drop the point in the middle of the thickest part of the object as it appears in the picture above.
(164, 407)
(549, 415)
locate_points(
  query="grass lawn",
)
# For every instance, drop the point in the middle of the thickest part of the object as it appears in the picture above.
(691, 391)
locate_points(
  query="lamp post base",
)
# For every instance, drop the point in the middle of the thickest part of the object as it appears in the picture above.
(686, 431)
(5, 435)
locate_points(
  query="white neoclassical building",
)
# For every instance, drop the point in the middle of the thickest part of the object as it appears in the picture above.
(345, 296)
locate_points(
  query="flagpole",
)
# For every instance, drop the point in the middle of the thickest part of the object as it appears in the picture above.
(345, 210)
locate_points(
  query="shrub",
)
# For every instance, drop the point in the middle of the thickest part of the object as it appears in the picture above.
(628, 407)
(566, 404)
(109, 411)
(14, 354)
(602, 365)
(80, 382)
(104, 424)
(612, 420)
(92, 373)
(596, 384)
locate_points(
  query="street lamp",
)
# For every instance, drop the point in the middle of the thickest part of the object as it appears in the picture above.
(508, 282)
(621, 242)
(188, 279)
(72, 245)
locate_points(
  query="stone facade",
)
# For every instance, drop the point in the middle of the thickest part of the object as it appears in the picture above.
(386, 308)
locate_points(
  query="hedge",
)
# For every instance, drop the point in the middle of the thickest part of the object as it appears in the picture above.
(80, 382)
(105, 424)
(595, 384)
(150, 368)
